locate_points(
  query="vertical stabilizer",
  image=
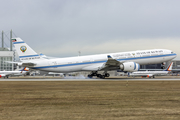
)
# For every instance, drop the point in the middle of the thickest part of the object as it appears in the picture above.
(169, 68)
(24, 51)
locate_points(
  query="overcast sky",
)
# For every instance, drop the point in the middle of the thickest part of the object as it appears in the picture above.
(61, 28)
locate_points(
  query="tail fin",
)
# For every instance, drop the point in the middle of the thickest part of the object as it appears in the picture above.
(24, 69)
(169, 68)
(25, 52)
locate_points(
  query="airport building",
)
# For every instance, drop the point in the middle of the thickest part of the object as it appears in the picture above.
(152, 66)
(176, 64)
(175, 67)
(6, 55)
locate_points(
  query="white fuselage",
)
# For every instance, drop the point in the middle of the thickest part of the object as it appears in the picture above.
(149, 73)
(6, 73)
(94, 62)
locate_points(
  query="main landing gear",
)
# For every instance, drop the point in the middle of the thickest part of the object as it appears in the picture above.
(105, 74)
(6, 77)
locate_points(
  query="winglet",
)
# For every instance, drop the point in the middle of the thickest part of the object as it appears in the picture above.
(109, 56)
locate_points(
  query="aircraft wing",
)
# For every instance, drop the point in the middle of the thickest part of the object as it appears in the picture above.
(111, 64)
(94, 67)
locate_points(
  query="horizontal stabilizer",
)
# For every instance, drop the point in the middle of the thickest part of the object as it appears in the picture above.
(28, 64)
(24, 64)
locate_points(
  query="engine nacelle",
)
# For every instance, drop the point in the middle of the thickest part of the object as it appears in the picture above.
(130, 66)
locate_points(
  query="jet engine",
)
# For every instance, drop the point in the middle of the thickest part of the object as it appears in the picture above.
(130, 66)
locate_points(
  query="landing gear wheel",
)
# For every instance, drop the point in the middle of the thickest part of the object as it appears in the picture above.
(90, 76)
(94, 73)
(98, 75)
(102, 76)
(162, 67)
(107, 74)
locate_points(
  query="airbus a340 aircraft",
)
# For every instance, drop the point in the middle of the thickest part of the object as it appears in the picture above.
(150, 74)
(126, 61)
(6, 74)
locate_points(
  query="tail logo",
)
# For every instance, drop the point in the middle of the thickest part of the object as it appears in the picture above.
(23, 48)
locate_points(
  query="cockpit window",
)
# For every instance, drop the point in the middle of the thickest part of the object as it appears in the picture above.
(171, 52)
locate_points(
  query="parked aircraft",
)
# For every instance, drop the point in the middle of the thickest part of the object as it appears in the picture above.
(126, 61)
(150, 74)
(6, 74)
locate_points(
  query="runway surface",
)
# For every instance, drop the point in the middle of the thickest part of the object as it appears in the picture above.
(116, 98)
(93, 79)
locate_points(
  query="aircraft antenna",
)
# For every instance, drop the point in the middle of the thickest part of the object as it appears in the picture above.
(79, 53)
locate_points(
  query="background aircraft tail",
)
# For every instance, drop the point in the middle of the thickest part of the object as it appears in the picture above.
(25, 52)
(25, 69)
(169, 68)
(22, 69)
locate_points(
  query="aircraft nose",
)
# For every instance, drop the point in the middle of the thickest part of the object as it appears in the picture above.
(175, 55)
